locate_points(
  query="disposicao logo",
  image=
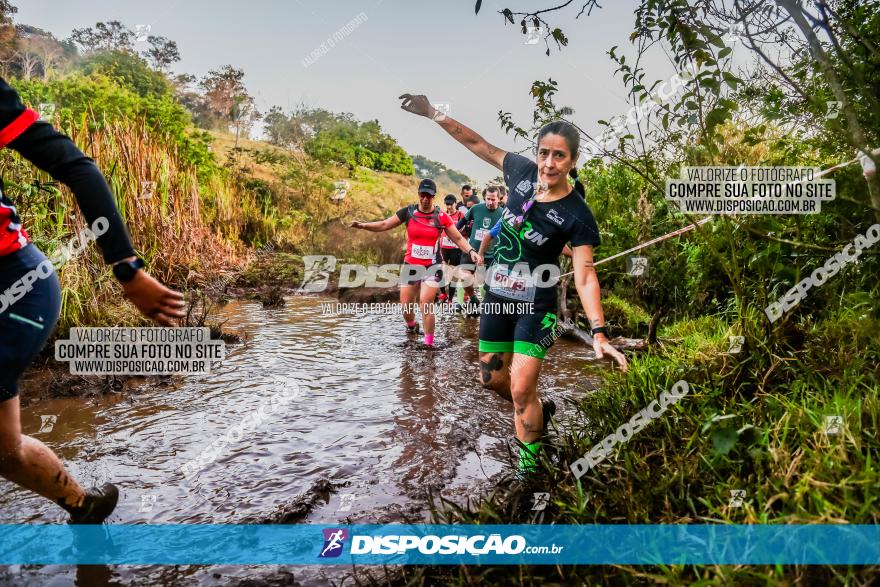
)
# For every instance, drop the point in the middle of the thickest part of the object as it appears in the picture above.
(334, 541)
(448, 544)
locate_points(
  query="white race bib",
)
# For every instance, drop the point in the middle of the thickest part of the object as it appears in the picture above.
(510, 285)
(422, 252)
(481, 232)
(447, 243)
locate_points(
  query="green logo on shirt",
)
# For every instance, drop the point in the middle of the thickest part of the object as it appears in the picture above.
(549, 321)
(509, 248)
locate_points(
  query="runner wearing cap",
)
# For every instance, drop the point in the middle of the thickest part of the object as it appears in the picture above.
(425, 223)
(543, 213)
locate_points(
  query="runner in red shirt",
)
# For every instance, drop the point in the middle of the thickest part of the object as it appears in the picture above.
(425, 224)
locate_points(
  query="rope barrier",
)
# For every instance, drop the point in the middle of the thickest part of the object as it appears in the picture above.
(859, 159)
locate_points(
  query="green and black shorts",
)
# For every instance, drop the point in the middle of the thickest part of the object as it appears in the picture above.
(503, 329)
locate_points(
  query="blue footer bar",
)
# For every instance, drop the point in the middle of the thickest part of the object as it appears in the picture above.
(441, 544)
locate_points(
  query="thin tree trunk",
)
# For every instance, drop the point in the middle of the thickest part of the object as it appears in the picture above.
(857, 136)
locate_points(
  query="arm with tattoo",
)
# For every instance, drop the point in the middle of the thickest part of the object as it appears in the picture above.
(419, 104)
(474, 142)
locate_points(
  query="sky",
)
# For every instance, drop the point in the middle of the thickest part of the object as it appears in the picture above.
(474, 63)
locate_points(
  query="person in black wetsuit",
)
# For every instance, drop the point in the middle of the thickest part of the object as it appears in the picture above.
(29, 305)
(542, 215)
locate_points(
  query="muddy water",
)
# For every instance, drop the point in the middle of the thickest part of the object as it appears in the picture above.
(379, 417)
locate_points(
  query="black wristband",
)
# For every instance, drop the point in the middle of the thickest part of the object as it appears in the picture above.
(600, 330)
(125, 271)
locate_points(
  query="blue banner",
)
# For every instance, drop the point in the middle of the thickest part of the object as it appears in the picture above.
(440, 544)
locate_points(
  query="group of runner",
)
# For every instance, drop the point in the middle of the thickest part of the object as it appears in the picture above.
(473, 219)
(435, 243)
(544, 217)
(534, 217)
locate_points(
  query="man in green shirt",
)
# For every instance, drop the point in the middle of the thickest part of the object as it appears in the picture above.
(483, 217)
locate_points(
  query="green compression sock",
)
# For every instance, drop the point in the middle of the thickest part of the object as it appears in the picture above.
(527, 456)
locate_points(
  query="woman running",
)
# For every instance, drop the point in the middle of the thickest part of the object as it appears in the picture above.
(425, 223)
(32, 296)
(543, 213)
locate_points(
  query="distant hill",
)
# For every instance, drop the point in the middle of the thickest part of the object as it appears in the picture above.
(449, 180)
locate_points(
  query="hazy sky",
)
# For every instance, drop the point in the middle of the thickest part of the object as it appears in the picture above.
(442, 49)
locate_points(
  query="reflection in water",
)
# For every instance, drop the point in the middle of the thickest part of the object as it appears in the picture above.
(416, 430)
(383, 418)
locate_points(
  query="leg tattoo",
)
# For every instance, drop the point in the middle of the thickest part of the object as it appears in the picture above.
(495, 364)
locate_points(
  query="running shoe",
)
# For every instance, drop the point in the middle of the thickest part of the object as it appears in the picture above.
(97, 506)
(528, 455)
(442, 298)
(414, 329)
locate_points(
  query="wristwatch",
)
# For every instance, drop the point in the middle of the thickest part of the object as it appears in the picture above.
(126, 270)
(600, 330)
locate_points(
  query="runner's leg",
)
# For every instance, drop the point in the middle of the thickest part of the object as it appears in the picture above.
(496, 347)
(408, 296)
(427, 294)
(467, 283)
(31, 464)
(24, 328)
(480, 276)
(469, 289)
(528, 418)
(495, 373)
(533, 335)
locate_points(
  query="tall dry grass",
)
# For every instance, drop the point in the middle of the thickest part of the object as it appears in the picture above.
(185, 230)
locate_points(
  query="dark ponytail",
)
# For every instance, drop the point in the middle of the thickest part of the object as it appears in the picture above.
(578, 186)
(573, 139)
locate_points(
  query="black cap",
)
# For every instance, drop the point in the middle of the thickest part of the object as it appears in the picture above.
(449, 199)
(428, 187)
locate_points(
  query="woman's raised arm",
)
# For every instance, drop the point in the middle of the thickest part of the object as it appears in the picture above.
(475, 143)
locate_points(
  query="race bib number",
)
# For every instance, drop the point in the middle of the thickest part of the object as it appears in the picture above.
(481, 232)
(422, 252)
(511, 285)
(446, 242)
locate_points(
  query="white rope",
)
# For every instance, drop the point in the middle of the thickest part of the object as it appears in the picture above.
(690, 227)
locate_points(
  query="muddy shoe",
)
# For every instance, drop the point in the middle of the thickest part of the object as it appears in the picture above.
(414, 329)
(97, 506)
